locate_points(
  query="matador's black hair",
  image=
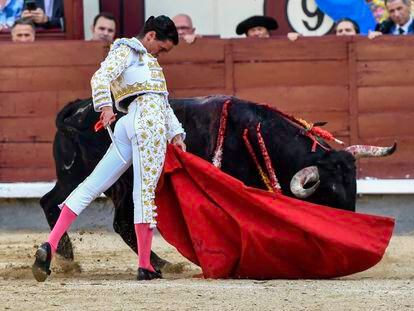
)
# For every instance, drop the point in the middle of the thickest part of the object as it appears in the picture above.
(163, 26)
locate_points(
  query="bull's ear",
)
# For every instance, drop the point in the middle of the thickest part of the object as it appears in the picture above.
(325, 160)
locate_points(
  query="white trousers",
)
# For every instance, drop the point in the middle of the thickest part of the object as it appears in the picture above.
(141, 138)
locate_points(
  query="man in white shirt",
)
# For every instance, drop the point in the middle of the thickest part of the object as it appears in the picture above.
(400, 21)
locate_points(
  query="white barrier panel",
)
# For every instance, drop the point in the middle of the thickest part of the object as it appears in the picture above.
(385, 186)
(20, 190)
(364, 186)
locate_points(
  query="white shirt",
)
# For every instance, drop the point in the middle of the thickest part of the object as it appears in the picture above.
(404, 27)
(49, 8)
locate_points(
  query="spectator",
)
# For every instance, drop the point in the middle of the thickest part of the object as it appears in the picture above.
(104, 27)
(185, 28)
(10, 11)
(46, 13)
(23, 31)
(346, 27)
(343, 27)
(257, 27)
(400, 21)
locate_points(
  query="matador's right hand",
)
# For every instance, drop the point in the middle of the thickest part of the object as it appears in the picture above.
(107, 116)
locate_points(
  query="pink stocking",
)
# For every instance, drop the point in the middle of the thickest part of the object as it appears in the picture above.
(63, 223)
(144, 240)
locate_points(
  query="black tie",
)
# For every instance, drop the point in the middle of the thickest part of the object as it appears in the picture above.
(401, 31)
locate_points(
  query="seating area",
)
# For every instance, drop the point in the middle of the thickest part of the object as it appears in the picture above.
(73, 29)
(130, 20)
(41, 34)
(354, 91)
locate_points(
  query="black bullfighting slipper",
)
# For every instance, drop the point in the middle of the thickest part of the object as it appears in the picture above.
(144, 274)
(41, 266)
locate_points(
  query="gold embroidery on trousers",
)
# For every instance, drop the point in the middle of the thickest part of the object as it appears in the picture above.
(152, 143)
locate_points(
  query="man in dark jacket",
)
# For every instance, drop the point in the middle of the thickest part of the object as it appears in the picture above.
(400, 21)
(45, 13)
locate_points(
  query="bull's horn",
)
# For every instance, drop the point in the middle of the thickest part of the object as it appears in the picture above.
(301, 178)
(363, 151)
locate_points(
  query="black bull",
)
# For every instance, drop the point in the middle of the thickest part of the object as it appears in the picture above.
(77, 150)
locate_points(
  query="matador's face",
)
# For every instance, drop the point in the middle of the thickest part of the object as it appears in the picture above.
(154, 46)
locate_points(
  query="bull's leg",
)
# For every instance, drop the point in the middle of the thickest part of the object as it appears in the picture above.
(124, 226)
(49, 203)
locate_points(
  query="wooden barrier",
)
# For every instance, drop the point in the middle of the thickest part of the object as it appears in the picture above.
(361, 87)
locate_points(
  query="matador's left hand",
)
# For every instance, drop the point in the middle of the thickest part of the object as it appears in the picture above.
(178, 141)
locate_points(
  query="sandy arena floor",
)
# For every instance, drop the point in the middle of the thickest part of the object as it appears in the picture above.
(103, 278)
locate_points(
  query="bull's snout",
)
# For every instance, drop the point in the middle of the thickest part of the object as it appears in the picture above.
(301, 178)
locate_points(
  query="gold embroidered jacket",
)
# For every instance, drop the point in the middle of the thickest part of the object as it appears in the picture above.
(130, 70)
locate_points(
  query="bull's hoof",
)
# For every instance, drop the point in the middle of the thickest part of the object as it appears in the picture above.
(41, 266)
(65, 248)
(157, 262)
(144, 274)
